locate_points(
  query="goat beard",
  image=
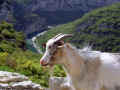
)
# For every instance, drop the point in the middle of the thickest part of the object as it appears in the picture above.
(51, 64)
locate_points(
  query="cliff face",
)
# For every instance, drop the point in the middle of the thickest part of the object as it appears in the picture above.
(33, 16)
(69, 5)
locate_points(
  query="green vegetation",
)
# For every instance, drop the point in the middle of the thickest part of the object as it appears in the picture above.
(99, 28)
(10, 40)
(27, 63)
(14, 57)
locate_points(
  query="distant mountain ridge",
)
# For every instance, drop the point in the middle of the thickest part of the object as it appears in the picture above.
(33, 16)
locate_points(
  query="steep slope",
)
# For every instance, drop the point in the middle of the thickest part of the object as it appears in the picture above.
(33, 16)
(17, 13)
(99, 28)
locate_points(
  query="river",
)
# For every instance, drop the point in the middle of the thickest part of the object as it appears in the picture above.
(35, 44)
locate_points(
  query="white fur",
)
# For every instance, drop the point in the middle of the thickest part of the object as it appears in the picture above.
(108, 72)
(46, 57)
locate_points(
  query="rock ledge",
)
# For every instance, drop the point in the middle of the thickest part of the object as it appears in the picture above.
(15, 81)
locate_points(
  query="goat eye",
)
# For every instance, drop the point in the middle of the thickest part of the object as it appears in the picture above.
(59, 44)
(50, 47)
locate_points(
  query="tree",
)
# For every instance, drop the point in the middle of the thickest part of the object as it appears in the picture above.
(10, 40)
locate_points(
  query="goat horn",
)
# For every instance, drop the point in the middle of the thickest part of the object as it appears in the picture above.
(57, 35)
(61, 36)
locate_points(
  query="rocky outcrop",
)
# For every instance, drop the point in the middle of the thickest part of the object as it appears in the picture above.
(23, 18)
(15, 81)
(59, 83)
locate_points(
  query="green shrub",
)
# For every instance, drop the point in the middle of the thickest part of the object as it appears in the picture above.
(10, 40)
(6, 68)
(6, 48)
(58, 71)
(3, 57)
(7, 34)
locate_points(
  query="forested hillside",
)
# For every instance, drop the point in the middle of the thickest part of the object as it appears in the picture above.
(99, 28)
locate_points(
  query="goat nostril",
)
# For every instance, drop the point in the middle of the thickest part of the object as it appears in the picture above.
(41, 62)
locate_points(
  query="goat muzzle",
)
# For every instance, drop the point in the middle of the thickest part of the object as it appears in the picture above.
(42, 63)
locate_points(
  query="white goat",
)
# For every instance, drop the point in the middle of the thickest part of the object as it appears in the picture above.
(88, 70)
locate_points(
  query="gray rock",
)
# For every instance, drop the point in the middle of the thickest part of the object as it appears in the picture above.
(26, 85)
(15, 81)
(7, 77)
(59, 83)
